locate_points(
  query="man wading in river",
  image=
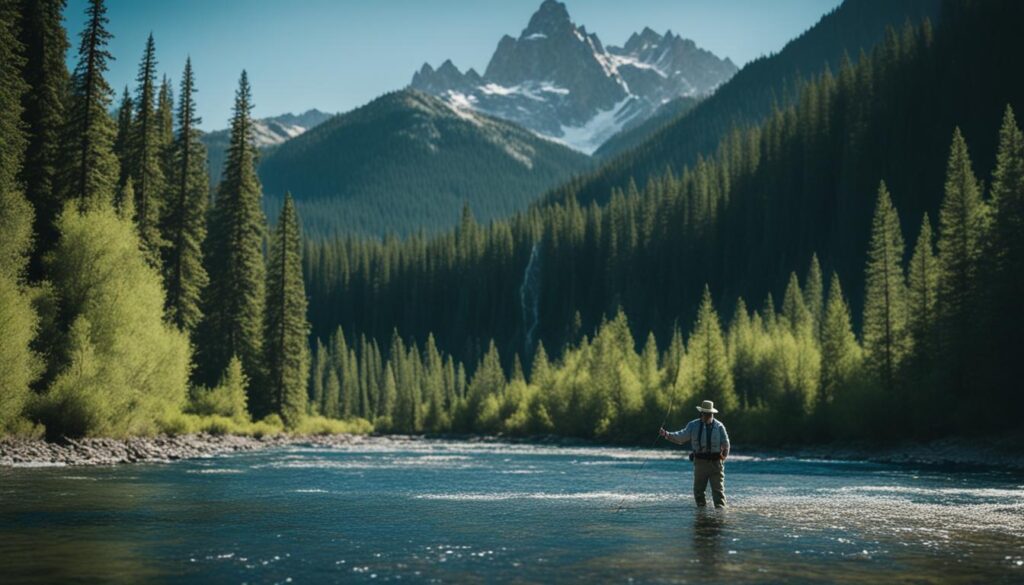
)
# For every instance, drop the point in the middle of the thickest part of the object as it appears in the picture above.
(710, 446)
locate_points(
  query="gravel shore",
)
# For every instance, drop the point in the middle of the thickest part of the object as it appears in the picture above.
(997, 453)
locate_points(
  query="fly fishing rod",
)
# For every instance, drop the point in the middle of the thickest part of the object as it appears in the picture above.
(671, 403)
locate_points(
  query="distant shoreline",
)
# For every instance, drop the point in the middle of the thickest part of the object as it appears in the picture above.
(1005, 453)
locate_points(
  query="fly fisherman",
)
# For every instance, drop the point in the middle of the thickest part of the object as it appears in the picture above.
(710, 446)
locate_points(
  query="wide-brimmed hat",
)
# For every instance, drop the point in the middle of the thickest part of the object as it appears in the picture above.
(707, 406)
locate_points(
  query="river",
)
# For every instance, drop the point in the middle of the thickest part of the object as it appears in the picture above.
(451, 511)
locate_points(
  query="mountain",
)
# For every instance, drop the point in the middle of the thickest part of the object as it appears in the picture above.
(267, 132)
(408, 161)
(633, 137)
(749, 97)
(561, 82)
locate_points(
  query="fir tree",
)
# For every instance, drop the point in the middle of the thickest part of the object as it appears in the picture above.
(922, 287)
(707, 373)
(144, 156)
(46, 45)
(885, 312)
(963, 226)
(814, 294)
(235, 297)
(287, 330)
(89, 168)
(185, 221)
(840, 354)
(122, 141)
(331, 397)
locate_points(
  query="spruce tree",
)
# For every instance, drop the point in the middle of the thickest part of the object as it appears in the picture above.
(814, 294)
(885, 311)
(286, 345)
(706, 367)
(89, 169)
(144, 156)
(963, 227)
(184, 223)
(235, 297)
(840, 354)
(45, 41)
(922, 288)
(1006, 312)
(122, 141)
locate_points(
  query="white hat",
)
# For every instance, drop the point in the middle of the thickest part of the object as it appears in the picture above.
(707, 406)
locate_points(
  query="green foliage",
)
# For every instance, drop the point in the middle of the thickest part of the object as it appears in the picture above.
(184, 224)
(287, 331)
(841, 355)
(885, 311)
(227, 398)
(89, 169)
(123, 367)
(46, 44)
(144, 150)
(706, 372)
(234, 301)
(19, 365)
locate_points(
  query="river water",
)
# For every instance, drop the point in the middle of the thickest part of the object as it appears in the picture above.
(448, 511)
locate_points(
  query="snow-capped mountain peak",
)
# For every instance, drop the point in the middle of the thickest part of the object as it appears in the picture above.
(563, 83)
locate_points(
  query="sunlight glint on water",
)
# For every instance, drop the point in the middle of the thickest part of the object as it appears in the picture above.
(455, 511)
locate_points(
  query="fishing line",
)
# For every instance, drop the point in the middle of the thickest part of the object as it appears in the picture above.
(671, 403)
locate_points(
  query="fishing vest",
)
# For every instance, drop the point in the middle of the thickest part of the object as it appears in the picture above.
(704, 440)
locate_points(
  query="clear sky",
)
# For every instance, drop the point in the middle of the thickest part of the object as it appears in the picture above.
(336, 55)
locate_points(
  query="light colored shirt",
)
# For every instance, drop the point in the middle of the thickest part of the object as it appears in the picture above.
(714, 439)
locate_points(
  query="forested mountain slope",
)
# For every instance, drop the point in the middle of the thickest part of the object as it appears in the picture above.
(407, 162)
(748, 98)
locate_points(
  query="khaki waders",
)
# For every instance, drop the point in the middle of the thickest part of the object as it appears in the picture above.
(705, 470)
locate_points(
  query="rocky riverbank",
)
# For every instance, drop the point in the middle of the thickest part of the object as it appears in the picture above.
(998, 453)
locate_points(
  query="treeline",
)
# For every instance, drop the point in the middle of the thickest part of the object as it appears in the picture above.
(127, 304)
(941, 332)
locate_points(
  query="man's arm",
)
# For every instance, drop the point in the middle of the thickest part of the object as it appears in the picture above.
(680, 437)
(725, 444)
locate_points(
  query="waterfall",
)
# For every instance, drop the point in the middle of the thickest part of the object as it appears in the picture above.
(529, 296)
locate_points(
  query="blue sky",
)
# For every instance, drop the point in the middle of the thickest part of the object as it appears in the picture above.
(339, 54)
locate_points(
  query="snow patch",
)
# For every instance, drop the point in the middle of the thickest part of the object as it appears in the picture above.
(589, 136)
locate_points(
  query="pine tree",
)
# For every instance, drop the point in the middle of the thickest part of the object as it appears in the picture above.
(317, 373)
(144, 156)
(796, 314)
(814, 295)
(287, 330)
(1006, 312)
(184, 224)
(706, 367)
(840, 354)
(963, 226)
(885, 312)
(46, 45)
(122, 141)
(235, 298)
(89, 169)
(332, 393)
(922, 288)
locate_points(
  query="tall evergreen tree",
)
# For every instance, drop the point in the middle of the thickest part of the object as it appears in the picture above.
(235, 298)
(840, 354)
(287, 330)
(184, 223)
(963, 226)
(814, 294)
(1006, 310)
(885, 311)
(145, 155)
(89, 169)
(706, 367)
(46, 45)
(122, 141)
(922, 288)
